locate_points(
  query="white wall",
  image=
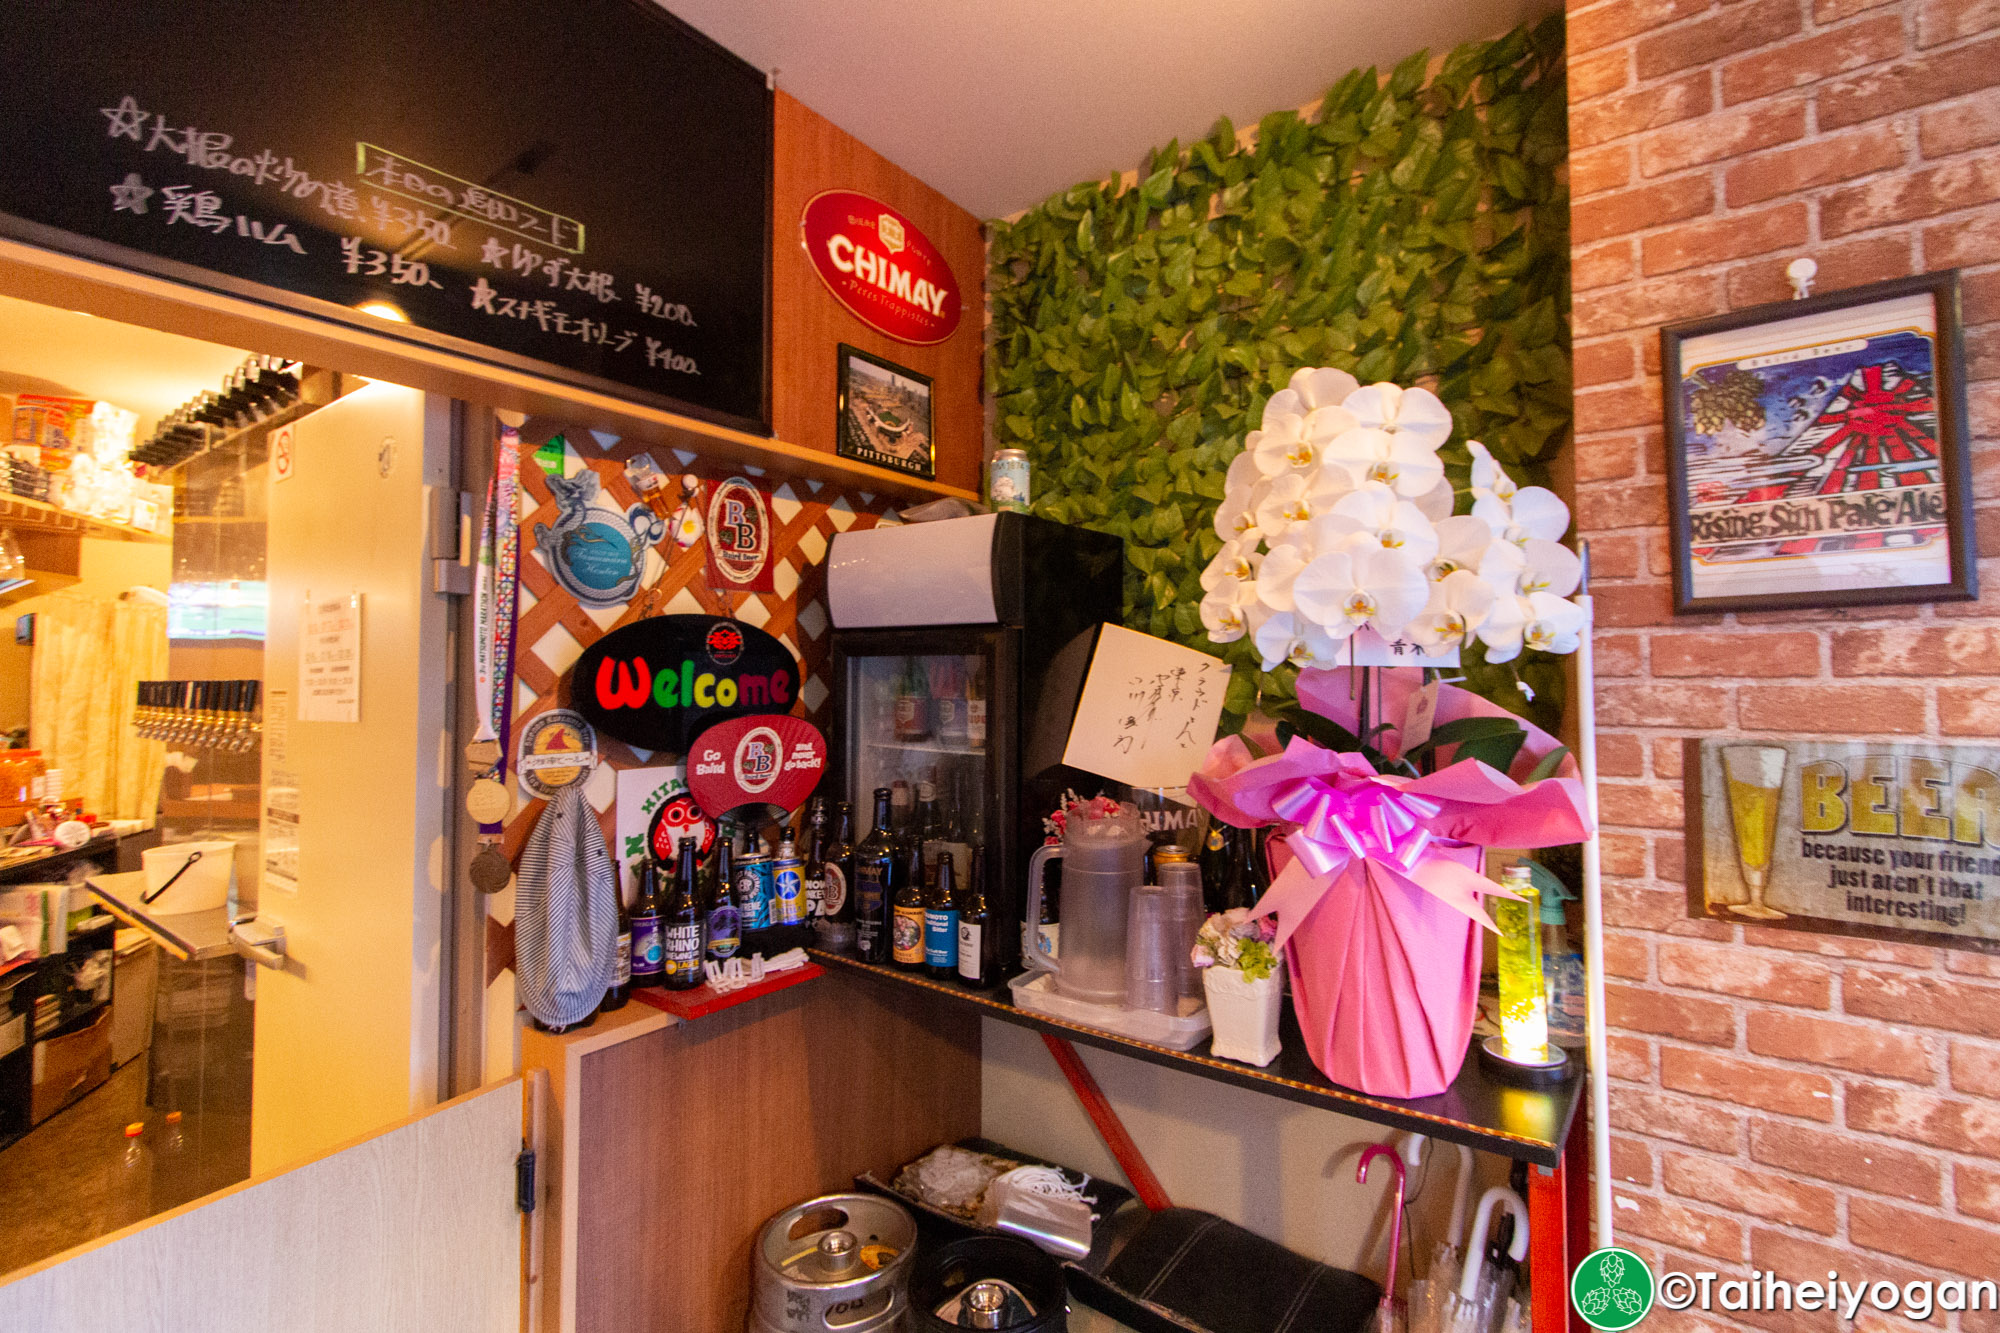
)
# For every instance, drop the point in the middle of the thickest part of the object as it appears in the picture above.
(1283, 1170)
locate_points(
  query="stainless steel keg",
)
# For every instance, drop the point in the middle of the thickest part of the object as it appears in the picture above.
(835, 1264)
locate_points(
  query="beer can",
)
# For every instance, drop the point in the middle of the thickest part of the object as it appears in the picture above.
(788, 891)
(754, 890)
(1007, 482)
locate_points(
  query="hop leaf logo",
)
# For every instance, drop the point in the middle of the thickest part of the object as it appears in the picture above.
(1613, 1289)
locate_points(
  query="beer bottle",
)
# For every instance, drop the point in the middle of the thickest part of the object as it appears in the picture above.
(725, 917)
(683, 924)
(648, 949)
(908, 921)
(978, 941)
(835, 923)
(941, 921)
(913, 705)
(816, 836)
(874, 862)
(620, 989)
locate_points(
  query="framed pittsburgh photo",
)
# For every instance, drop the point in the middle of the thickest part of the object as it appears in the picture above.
(884, 414)
(1816, 451)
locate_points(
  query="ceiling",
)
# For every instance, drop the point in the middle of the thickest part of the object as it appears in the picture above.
(44, 349)
(1002, 103)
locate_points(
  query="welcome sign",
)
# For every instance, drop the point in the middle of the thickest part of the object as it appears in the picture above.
(658, 683)
(1892, 839)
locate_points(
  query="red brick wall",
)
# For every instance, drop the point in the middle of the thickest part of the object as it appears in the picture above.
(1780, 1100)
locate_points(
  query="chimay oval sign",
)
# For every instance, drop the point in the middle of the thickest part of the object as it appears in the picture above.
(878, 265)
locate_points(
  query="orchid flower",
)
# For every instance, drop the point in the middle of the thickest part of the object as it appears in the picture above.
(1437, 502)
(1459, 604)
(1534, 512)
(1413, 414)
(1235, 563)
(1288, 556)
(1284, 637)
(1236, 516)
(1399, 459)
(1223, 618)
(1462, 542)
(1284, 504)
(1282, 447)
(1341, 591)
(1371, 512)
(1549, 567)
(1309, 389)
(1541, 621)
(1487, 474)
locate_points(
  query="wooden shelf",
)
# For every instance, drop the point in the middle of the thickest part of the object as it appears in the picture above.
(1527, 1124)
(35, 516)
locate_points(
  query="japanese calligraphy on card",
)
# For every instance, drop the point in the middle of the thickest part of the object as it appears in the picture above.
(1149, 710)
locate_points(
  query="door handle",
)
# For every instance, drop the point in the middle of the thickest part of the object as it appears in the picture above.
(259, 940)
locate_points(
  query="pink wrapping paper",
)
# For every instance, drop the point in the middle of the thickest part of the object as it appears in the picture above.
(1378, 884)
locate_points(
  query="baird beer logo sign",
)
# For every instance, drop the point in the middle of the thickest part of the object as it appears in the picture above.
(880, 266)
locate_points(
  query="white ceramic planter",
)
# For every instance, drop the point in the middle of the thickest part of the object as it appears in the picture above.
(1245, 1014)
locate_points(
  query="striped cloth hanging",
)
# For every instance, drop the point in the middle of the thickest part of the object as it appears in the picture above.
(565, 913)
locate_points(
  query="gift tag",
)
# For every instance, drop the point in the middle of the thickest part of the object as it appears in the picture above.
(483, 754)
(489, 870)
(1417, 719)
(487, 801)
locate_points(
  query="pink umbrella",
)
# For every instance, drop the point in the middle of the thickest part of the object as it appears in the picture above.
(1385, 1313)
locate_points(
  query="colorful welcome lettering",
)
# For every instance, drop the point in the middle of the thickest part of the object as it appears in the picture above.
(629, 684)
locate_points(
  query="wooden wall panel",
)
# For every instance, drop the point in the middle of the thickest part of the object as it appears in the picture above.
(808, 324)
(690, 1138)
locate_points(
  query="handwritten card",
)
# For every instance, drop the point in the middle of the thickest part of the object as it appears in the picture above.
(1149, 710)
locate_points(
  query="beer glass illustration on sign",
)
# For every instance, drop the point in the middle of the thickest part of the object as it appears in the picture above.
(1755, 776)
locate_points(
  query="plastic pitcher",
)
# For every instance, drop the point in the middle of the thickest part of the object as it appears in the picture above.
(1104, 859)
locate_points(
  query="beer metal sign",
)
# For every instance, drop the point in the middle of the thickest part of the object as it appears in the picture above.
(739, 539)
(1892, 839)
(880, 266)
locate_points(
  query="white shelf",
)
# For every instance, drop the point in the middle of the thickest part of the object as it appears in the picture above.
(925, 747)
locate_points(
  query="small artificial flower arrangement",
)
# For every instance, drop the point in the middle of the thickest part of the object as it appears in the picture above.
(1233, 939)
(1238, 955)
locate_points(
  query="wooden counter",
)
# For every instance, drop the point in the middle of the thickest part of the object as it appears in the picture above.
(650, 1227)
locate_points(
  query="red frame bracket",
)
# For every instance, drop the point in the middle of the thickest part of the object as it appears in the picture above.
(1109, 1127)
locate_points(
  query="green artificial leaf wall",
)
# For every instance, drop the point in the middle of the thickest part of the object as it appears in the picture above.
(1415, 230)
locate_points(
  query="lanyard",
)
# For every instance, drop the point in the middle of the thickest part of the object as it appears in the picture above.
(498, 583)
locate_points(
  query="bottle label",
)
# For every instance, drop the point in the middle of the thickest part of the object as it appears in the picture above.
(975, 721)
(788, 897)
(907, 939)
(647, 947)
(725, 933)
(950, 714)
(621, 960)
(832, 890)
(971, 935)
(815, 896)
(1050, 935)
(682, 948)
(910, 718)
(941, 937)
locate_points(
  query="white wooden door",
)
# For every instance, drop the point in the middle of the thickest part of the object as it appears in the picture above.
(411, 1230)
(347, 1034)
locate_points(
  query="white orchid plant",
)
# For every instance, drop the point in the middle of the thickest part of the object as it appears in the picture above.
(1337, 516)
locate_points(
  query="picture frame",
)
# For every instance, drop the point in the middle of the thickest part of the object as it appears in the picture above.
(883, 414)
(1817, 451)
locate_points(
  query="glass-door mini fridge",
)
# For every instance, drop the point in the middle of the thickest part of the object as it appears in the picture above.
(959, 653)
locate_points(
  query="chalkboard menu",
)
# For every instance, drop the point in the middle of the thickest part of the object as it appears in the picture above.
(579, 187)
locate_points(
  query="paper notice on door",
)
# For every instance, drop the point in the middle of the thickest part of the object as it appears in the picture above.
(330, 660)
(281, 831)
(1149, 710)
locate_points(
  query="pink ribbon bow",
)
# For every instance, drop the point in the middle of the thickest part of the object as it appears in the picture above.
(1340, 816)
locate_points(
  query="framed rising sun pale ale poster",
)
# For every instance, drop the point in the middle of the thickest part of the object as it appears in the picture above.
(1894, 840)
(1816, 451)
